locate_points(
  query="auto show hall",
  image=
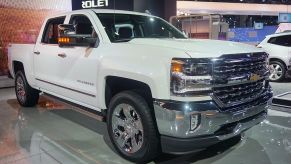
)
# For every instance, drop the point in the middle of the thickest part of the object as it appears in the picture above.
(145, 81)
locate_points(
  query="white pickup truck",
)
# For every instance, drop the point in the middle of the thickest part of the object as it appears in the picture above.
(159, 91)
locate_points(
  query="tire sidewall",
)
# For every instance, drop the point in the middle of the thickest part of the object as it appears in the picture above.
(140, 111)
(283, 71)
(21, 75)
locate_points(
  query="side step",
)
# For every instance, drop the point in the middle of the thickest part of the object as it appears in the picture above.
(100, 116)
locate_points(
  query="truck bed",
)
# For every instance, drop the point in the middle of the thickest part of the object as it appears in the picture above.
(19, 52)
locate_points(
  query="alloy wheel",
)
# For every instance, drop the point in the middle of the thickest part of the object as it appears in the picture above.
(276, 72)
(127, 128)
(20, 89)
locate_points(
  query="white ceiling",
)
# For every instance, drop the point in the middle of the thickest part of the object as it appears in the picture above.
(231, 8)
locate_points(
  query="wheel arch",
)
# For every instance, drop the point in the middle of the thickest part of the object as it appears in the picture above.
(21, 66)
(279, 60)
(116, 84)
(17, 66)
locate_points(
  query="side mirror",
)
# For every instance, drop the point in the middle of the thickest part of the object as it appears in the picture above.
(69, 38)
(185, 33)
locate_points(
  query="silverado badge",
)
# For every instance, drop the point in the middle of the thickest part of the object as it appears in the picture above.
(254, 77)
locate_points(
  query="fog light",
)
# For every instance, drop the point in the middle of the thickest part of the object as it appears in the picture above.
(194, 121)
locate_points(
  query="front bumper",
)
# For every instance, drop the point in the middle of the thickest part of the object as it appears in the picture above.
(173, 121)
(187, 145)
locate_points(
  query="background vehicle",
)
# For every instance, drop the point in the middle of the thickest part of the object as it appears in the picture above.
(278, 46)
(158, 90)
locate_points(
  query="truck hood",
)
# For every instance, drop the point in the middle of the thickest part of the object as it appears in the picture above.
(195, 47)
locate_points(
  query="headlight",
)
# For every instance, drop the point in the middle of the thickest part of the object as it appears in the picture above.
(191, 77)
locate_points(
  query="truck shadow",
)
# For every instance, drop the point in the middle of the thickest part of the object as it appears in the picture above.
(286, 80)
(215, 150)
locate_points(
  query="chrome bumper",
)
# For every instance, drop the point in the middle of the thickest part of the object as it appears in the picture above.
(173, 118)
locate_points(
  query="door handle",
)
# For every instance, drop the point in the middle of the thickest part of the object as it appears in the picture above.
(36, 52)
(62, 55)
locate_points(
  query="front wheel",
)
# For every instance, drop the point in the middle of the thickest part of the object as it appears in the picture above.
(26, 95)
(277, 70)
(132, 128)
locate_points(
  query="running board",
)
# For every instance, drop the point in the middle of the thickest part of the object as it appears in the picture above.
(100, 116)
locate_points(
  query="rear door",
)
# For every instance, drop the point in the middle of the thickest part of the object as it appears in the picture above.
(289, 46)
(46, 61)
(278, 46)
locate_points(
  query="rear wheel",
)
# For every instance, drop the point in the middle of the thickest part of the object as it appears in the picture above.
(132, 128)
(277, 70)
(26, 95)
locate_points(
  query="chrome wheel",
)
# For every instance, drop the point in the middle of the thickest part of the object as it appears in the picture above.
(127, 128)
(20, 89)
(276, 72)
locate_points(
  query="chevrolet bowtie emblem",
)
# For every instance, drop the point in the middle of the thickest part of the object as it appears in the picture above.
(254, 77)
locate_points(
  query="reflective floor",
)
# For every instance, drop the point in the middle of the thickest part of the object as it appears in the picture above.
(55, 133)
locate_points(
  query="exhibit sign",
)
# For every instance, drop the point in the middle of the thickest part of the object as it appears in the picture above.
(284, 18)
(94, 4)
(102, 4)
(258, 25)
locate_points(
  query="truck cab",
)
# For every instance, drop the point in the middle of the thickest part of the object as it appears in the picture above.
(158, 90)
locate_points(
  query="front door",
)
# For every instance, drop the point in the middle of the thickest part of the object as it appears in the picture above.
(79, 65)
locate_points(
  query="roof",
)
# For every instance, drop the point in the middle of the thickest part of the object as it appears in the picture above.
(111, 11)
(100, 11)
(118, 11)
(288, 32)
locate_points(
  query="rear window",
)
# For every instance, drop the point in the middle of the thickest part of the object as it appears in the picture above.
(50, 35)
(281, 40)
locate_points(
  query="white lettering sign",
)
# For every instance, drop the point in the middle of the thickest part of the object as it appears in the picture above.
(94, 3)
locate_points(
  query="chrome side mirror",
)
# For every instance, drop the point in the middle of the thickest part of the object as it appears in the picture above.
(69, 38)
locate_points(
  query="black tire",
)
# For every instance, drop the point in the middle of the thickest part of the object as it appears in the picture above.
(150, 148)
(28, 96)
(282, 67)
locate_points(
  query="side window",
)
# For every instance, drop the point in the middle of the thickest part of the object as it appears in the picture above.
(83, 25)
(50, 35)
(281, 40)
(272, 40)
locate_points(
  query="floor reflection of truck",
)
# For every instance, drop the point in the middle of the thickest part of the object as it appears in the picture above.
(202, 26)
(55, 140)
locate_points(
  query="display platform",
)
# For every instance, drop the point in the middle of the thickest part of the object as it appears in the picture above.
(55, 132)
(283, 100)
(6, 82)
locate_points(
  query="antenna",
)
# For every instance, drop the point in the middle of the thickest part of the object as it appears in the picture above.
(148, 12)
(114, 8)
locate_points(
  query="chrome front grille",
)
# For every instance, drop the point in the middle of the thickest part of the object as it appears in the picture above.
(239, 66)
(237, 94)
(239, 79)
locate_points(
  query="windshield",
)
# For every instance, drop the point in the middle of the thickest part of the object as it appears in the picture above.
(124, 27)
